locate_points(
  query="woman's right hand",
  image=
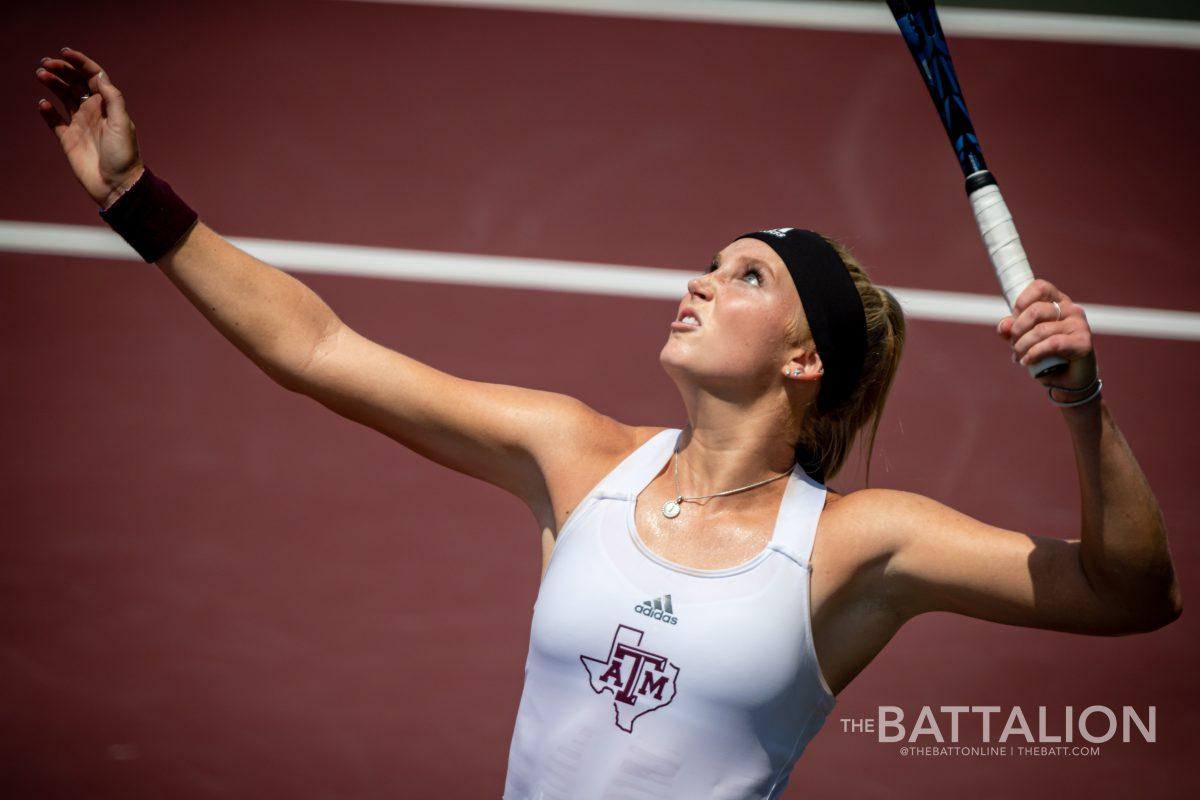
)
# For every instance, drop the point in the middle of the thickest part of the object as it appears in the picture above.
(98, 137)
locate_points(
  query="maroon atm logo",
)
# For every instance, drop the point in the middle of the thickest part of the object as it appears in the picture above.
(639, 681)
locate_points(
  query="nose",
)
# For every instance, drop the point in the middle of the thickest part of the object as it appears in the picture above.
(699, 286)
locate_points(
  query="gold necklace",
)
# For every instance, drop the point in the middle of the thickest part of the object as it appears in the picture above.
(671, 508)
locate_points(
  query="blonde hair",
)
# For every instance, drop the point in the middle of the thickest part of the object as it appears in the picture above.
(825, 438)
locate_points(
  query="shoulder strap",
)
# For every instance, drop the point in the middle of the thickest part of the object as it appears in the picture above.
(796, 526)
(635, 471)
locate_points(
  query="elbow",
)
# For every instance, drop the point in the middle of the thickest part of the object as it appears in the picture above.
(1142, 599)
(1169, 601)
(1172, 608)
(297, 371)
(1147, 623)
(1159, 612)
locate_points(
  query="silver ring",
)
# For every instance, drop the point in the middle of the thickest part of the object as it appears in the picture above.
(1057, 308)
(83, 97)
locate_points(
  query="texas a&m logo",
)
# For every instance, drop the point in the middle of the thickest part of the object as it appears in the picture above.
(639, 681)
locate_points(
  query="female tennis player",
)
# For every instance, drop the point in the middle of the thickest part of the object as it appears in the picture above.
(704, 595)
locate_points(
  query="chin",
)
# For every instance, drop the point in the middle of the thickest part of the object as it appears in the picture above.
(672, 355)
(679, 362)
(671, 363)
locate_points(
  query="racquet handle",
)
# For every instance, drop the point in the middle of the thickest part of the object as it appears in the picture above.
(1005, 250)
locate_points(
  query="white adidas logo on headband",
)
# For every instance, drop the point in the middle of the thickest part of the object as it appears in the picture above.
(779, 232)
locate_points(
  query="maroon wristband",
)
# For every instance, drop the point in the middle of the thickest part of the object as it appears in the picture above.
(150, 216)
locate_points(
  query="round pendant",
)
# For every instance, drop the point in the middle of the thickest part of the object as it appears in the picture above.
(670, 509)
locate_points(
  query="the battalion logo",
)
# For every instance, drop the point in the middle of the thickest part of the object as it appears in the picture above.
(640, 681)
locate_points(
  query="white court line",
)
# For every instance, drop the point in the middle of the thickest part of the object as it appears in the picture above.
(869, 18)
(562, 276)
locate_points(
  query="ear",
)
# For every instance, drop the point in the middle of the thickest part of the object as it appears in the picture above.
(804, 366)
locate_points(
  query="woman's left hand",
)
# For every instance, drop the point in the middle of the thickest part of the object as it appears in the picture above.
(1037, 329)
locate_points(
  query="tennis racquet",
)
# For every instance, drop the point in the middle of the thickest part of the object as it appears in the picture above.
(918, 21)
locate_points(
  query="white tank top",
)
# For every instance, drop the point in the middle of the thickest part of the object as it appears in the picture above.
(649, 679)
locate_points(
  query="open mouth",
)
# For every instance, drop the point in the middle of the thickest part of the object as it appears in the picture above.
(685, 325)
(687, 319)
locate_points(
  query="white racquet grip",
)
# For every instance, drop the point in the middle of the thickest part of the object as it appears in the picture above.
(1002, 242)
(1006, 252)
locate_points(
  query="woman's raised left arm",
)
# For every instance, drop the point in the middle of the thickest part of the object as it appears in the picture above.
(1123, 545)
(1116, 578)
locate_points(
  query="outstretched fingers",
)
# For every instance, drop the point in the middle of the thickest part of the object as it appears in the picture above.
(97, 80)
(52, 118)
(81, 62)
(67, 72)
(74, 75)
(61, 89)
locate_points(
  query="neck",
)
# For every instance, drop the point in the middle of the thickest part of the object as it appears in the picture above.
(727, 445)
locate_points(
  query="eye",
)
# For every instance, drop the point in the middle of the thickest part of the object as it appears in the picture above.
(749, 271)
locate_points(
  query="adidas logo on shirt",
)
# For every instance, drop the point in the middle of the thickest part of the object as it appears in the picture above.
(659, 608)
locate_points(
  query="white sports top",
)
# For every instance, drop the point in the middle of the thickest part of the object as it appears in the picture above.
(649, 679)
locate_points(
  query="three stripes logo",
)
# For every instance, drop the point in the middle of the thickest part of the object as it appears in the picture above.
(659, 608)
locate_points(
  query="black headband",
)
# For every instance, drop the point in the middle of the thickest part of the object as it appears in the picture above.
(831, 304)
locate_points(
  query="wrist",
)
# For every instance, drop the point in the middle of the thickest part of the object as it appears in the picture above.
(1085, 420)
(1075, 397)
(123, 185)
(150, 216)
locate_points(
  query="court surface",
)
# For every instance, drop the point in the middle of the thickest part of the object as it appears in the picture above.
(212, 588)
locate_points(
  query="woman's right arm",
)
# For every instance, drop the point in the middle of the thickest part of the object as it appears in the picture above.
(273, 318)
(508, 436)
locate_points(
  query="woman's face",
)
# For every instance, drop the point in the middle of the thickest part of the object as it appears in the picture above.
(750, 324)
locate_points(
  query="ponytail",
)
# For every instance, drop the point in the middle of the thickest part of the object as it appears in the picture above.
(826, 438)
